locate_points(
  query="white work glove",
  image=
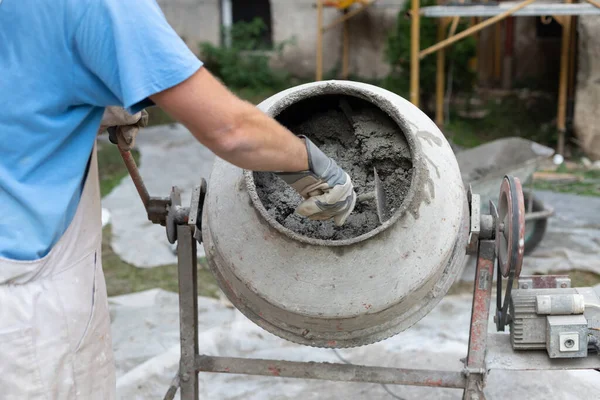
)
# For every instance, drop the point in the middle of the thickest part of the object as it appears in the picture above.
(326, 188)
(123, 127)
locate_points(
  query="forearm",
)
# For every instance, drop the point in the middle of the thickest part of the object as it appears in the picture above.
(233, 129)
(249, 139)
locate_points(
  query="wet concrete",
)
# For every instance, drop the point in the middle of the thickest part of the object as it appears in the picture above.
(359, 137)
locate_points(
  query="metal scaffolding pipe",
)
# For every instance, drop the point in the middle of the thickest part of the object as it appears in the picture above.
(563, 80)
(473, 29)
(414, 52)
(330, 371)
(319, 72)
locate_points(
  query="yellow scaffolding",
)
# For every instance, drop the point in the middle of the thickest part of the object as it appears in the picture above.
(344, 6)
(561, 12)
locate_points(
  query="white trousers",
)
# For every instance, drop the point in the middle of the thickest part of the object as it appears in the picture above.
(55, 340)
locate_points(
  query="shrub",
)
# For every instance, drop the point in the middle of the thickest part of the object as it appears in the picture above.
(245, 64)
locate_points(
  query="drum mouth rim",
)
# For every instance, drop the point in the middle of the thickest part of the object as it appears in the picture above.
(364, 92)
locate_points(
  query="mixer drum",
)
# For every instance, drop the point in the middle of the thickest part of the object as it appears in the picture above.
(341, 291)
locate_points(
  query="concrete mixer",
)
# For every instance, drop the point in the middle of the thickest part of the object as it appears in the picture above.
(396, 257)
(353, 290)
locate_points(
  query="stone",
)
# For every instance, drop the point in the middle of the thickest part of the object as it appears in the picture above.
(586, 162)
(587, 94)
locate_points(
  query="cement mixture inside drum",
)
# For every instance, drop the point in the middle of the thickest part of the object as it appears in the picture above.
(359, 139)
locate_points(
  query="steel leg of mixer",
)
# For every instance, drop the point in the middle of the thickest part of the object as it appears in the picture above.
(188, 312)
(482, 293)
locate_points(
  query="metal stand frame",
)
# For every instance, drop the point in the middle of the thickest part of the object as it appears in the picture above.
(471, 379)
(183, 225)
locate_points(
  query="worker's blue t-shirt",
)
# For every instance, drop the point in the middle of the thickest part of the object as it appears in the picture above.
(61, 63)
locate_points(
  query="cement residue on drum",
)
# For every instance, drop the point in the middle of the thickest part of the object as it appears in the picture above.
(358, 142)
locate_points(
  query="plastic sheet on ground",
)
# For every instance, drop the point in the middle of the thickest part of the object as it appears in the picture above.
(146, 342)
(170, 156)
(572, 240)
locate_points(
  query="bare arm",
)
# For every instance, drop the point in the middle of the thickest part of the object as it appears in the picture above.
(232, 128)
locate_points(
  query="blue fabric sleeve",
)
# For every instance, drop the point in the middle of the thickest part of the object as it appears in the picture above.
(132, 50)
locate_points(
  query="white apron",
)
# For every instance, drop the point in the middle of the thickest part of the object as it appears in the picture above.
(55, 338)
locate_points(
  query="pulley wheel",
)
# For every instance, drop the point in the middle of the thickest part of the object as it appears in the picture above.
(510, 227)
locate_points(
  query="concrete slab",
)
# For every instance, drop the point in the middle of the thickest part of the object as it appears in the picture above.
(170, 156)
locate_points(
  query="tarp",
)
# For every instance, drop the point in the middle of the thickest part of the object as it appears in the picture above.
(145, 334)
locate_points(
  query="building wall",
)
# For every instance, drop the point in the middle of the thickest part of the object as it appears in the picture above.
(587, 93)
(537, 60)
(298, 20)
(200, 20)
(194, 20)
(368, 33)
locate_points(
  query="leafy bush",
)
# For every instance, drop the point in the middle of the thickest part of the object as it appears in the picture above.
(397, 54)
(245, 64)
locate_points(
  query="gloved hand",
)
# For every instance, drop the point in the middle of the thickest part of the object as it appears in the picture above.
(326, 188)
(122, 126)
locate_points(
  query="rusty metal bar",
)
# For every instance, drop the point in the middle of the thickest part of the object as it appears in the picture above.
(173, 388)
(473, 29)
(348, 15)
(478, 333)
(538, 215)
(188, 312)
(135, 176)
(331, 371)
(544, 281)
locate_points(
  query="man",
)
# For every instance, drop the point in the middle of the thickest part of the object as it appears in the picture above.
(62, 62)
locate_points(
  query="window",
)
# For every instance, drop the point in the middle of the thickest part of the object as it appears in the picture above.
(246, 11)
(547, 30)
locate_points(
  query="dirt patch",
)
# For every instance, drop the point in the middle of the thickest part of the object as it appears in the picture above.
(358, 136)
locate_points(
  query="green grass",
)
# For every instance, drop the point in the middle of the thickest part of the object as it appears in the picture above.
(508, 116)
(122, 278)
(156, 116)
(589, 186)
(580, 278)
(111, 167)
